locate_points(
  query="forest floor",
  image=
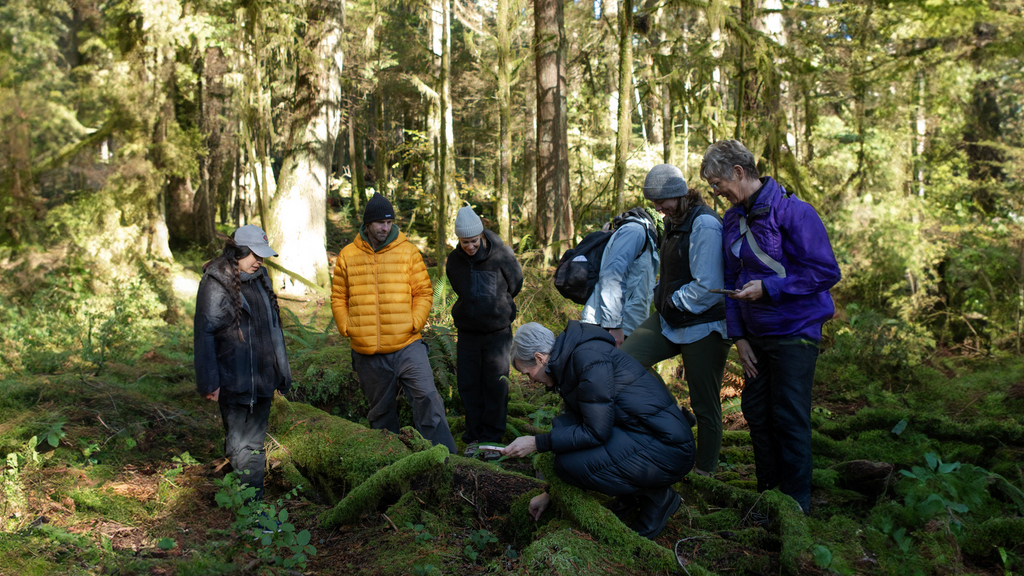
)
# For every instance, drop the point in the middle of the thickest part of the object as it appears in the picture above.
(119, 469)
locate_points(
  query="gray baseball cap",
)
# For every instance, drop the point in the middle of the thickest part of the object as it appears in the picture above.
(255, 239)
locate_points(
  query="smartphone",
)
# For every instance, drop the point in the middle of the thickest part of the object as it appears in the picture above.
(486, 448)
(720, 291)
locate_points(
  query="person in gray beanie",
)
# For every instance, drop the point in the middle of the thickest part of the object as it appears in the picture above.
(486, 276)
(691, 319)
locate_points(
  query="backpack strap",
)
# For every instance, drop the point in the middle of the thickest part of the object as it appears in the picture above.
(764, 258)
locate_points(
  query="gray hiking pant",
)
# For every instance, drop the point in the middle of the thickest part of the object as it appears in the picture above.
(381, 376)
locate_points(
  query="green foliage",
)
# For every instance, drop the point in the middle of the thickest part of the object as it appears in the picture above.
(422, 536)
(944, 489)
(479, 540)
(307, 336)
(425, 570)
(64, 324)
(280, 542)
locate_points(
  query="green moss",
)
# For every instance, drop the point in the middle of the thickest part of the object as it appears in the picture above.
(738, 454)
(341, 450)
(735, 438)
(720, 520)
(519, 526)
(630, 549)
(395, 477)
(407, 509)
(563, 552)
(105, 502)
(983, 539)
(823, 478)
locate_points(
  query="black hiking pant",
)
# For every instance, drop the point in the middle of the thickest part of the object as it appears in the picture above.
(482, 368)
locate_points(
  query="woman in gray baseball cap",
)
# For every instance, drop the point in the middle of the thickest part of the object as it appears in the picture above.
(240, 356)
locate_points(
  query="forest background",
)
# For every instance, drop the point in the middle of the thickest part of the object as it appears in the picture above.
(134, 134)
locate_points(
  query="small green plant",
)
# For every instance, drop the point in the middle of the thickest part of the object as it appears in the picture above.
(731, 406)
(425, 570)
(822, 556)
(166, 543)
(421, 534)
(185, 459)
(279, 537)
(54, 434)
(944, 489)
(542, 417)
(479, 540)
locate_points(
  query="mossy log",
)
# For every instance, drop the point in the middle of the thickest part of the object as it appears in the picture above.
(787, 520)
(982, 431)
(585, 511)
(342, 451)
(864, 476)
(395, 477)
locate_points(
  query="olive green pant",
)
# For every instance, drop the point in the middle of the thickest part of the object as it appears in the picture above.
(704, 362)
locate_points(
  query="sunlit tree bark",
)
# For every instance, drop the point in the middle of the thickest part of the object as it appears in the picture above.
(297, 225)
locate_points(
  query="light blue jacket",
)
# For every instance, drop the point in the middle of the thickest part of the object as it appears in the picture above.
(625, 288)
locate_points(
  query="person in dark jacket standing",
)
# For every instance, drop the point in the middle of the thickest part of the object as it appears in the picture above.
(690, 322)
(778, 255)
(240, 356)
(486, 276)
(622, 433)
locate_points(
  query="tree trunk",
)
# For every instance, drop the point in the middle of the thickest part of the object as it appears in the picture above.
(552, 146)
(529, 213)
(355, 158)
(299, 208)
(504, 120)
(624, 124)
(213, 95)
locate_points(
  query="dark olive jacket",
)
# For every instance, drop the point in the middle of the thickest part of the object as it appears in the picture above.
(487, 284)
(224, 351)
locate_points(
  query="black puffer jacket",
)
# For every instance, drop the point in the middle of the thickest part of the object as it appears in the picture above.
(223, 359)
(487, 284)
(642, 438)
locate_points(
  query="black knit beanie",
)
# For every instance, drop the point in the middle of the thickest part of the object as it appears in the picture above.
(378, 208)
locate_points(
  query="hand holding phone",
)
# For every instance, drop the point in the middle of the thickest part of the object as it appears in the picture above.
(721, 291)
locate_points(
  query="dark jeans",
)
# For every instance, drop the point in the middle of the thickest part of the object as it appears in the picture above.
(381, 376)
(482, 362)
(777, 406)
(244, 433)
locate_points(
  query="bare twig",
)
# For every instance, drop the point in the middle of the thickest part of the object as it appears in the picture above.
(467, 499)
(389, 521)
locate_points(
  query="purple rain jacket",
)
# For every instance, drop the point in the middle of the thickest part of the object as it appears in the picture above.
(790, 231)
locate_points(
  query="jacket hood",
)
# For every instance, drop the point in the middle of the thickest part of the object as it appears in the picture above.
(395, 237)
(574, 336)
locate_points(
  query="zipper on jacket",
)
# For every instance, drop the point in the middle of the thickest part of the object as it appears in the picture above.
(252, 377)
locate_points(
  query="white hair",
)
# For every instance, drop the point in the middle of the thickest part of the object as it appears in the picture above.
(530, 339)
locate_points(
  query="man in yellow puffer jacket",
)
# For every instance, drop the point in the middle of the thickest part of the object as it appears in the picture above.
(381, 298)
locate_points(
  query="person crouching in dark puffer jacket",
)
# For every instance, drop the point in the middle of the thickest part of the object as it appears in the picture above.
(622, 433)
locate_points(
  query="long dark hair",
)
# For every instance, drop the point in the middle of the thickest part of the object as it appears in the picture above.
(692, 199)
(232, 253)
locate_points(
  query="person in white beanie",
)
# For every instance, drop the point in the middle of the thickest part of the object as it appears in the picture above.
(486, 276)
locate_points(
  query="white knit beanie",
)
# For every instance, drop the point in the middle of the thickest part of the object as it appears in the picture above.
(467, 223)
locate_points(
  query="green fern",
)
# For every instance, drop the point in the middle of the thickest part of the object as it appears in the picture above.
(306, 335)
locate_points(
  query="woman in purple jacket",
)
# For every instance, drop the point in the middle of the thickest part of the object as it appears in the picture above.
(778, 257)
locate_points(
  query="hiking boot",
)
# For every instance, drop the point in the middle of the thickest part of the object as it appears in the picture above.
(657, 505)
(623, 506)
(471, 449)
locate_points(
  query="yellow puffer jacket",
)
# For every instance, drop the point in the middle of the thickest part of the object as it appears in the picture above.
(381, 300)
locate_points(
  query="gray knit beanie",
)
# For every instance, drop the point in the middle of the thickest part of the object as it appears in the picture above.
(664, 181)
(467, 223)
